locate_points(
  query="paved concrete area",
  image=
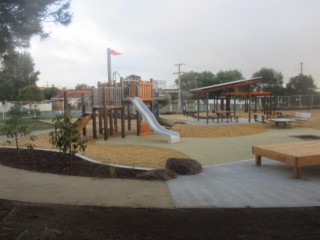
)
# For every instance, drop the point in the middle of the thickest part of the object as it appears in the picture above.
(242, 184)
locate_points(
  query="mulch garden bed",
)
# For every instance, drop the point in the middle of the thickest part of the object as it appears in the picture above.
(57, 163)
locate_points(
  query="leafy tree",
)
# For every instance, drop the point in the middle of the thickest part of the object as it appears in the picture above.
(82, 86)
(66, 135)
(227, 76)
(49, 92)
(20, 20)
(271, 81)
(17, 72)
(301, 85)
(30, 93)
(16, 128)
(191, 80)
(7, 89)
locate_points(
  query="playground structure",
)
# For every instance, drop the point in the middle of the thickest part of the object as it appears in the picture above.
(106, 104)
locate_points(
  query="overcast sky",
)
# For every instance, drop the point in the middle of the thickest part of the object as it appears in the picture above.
(154, 35)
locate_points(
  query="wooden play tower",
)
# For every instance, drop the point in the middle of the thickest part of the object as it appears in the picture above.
(106, 105)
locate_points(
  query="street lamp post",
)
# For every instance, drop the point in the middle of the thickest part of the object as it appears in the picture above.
(179, 85)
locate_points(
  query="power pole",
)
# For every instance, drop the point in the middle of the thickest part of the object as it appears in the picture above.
(301, 68)
(179, 86)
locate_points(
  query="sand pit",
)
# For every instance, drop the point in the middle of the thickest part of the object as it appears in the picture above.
(146, 156)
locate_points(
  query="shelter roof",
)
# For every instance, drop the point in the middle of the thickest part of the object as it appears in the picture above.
(226, 85)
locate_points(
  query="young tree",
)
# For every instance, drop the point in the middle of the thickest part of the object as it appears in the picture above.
(20, 20)
(66, 135)
(16, 128)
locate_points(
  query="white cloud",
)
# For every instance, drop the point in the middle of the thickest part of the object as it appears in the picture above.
(206, 35)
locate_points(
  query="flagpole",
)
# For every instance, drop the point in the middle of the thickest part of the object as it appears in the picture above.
(109, 67)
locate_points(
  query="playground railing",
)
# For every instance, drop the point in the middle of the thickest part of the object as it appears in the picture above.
(111, 96)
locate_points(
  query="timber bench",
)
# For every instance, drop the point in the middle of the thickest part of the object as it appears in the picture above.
(302, 116)
(297, 154)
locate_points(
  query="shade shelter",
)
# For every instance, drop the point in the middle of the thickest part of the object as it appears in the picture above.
(241, 86)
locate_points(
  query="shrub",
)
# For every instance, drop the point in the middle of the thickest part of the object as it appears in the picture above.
(66, 135)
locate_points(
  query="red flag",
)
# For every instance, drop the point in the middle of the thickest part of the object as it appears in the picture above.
(114, 52)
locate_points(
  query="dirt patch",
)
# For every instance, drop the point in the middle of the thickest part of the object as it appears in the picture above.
(42, 221)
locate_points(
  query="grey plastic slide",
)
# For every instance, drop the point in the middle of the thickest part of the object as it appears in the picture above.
(148, 116)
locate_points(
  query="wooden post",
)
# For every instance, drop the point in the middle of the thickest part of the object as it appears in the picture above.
(94, 123)
(234, 106)
(228, 103)
(296, 170)
(249, 107)
(100, 121)
(258, 160)
(129, 118)
(123, 129)
(105, 114)
(207, 96)
(65, 101)
(83, 110)
(222, 104)
(198, 107)
(111, 112)
(138, 123)
(94, 119)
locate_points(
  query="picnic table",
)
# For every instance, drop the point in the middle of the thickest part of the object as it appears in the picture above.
(225, 115)
(282, 122)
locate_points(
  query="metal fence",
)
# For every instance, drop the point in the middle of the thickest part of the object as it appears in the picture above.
(279, 103)
(50, 109)
(46, 109)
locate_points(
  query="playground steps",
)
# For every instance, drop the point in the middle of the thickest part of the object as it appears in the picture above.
(145, 129)
(84, 120)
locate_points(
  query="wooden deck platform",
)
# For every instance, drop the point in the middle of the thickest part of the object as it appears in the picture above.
(296, 154)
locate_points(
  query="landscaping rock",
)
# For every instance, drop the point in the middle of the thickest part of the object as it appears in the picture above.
(184, 166)
(157, 174)
(165, 122)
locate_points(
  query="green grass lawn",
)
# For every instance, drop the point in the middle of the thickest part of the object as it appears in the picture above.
(35, 124)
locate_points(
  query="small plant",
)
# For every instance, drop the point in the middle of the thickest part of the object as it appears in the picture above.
(112, 171)
(17, 128)
(66, 135)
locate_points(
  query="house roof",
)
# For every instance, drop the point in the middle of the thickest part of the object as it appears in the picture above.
(226, 85)
(71, 93)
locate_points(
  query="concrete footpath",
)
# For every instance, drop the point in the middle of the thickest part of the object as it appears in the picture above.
(232, 185)
(27, 186)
